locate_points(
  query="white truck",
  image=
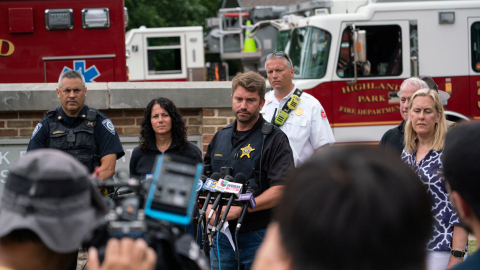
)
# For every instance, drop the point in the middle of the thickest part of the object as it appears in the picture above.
(165, 54)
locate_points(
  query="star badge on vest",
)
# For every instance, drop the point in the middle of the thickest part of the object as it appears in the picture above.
(109, 126)
(246, 151)
(90, 123)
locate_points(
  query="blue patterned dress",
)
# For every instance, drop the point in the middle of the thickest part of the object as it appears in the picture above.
(430, 171)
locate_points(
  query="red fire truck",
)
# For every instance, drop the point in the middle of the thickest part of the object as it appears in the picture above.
(41, 39)
(354, 63)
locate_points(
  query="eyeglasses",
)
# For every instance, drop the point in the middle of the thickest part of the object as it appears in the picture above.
(280, 54)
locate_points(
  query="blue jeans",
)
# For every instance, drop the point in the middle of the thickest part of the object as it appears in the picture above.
(248, 243)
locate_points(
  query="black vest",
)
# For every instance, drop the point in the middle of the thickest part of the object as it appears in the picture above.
(78, 141)
(245, 158)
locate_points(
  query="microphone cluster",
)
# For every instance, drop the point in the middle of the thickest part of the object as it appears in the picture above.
(225, 190)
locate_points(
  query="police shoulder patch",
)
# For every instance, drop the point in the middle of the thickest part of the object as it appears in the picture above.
(35, 131)
(109, 126)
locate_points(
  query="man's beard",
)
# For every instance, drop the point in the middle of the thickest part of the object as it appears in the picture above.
(246, 120)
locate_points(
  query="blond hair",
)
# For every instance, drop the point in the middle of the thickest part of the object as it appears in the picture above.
(440, 129)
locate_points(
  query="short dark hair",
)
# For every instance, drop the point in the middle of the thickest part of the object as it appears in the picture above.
(251, 81)
(179, 130)
(347, 205)
(460, 163)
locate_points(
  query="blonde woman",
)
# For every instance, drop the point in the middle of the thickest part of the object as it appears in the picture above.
(424, 139)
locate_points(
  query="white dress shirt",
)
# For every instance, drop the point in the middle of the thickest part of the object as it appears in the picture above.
(307, 126)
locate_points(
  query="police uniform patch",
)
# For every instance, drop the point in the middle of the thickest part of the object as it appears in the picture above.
(109, 126)
(35, 131)
(324, 115)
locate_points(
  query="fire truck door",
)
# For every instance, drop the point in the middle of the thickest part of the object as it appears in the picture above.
(364, 110)
(474, 70)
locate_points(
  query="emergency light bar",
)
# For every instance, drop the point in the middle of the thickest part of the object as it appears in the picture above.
(57, 19)
(95, 18)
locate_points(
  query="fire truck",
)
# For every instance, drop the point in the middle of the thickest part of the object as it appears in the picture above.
(354, 63)
(41, 39)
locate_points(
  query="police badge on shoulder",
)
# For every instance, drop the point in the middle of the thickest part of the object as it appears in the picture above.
(35, 131)
(109, 126)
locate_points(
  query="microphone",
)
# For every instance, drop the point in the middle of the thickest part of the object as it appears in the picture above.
(235, 189)
(210, 186)
(220, 187)
(250, 197)
(219, 197)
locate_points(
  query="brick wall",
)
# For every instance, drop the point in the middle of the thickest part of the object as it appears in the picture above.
(213, 121)
(205, 122)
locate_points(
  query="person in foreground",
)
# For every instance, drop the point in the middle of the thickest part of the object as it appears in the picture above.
(425, 133)
(349, 207)
(462, 173)
(162, 131)
(244, 147)
(48, 206)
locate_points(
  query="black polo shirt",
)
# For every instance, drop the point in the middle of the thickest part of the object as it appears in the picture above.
(276, 153)
(393, 139)
(141, 163)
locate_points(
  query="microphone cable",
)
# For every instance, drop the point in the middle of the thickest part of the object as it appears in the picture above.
(218, 252)
(237, 251)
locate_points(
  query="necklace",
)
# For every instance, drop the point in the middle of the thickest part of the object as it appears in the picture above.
(165, 146)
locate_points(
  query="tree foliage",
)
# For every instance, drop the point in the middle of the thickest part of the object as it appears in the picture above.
(170, 13)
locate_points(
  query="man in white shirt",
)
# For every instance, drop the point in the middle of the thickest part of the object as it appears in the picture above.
(306, 126)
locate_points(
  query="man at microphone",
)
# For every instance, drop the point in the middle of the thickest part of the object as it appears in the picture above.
(261, 152)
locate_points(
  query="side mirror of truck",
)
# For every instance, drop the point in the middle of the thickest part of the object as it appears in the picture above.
(360, 38)
(359, 51)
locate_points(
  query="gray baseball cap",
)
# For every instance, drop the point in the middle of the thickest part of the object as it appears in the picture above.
(52, 194)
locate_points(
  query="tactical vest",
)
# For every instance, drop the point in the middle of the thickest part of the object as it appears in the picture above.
(78, 141)
(244, 158)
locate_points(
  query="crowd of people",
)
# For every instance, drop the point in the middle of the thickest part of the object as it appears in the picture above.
(408, 204)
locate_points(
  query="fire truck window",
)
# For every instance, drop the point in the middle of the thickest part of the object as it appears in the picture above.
(163, 41)
(164, 55)
(309, 50)
(282, 40)
(476, 46)
(384, 52)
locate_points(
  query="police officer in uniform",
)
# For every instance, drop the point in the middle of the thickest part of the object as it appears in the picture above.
(259, 150)
(79, 130)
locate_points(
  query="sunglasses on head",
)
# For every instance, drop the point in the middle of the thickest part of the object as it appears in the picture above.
(280, 54)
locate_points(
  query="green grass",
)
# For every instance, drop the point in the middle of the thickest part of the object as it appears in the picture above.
(472, 247)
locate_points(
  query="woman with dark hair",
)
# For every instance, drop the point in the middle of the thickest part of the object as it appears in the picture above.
(162, 131)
